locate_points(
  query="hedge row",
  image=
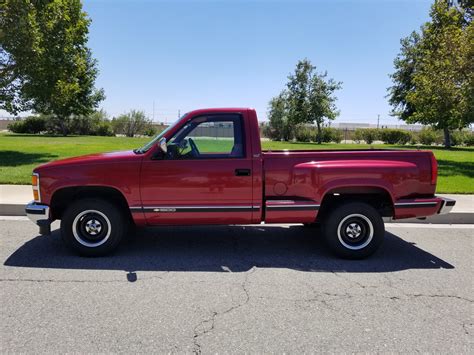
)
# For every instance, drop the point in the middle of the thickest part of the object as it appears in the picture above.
(427, 136)
(96, 124)
(388, 136)
(308, 134)
(93, 125)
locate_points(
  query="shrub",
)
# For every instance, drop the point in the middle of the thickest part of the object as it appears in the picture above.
(95, 124)
(369, 135)
(329, 134)
(460, 137)
(303, 134)
(414, 138)
(32, 125)
(131, 123)
(405, 137)
(336, 135)
(81, 125)
(457, 138)
(358, 135)
(427, 136)
(268, 132)
(265, 130)
(17, 126)
(104, 129)
(151, 131)
(469, 139)
(394, 136)
(323, 136)
(277, 131)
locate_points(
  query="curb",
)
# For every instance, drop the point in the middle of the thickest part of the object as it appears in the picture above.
(12, 210)
(450, 218)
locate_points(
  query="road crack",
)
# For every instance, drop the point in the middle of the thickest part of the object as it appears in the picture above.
(440, 296)
(80, 281)
(208, 325)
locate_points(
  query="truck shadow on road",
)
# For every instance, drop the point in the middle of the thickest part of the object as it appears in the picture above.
(224, 249)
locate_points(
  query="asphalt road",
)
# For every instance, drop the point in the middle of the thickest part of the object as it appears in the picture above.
(238, 289)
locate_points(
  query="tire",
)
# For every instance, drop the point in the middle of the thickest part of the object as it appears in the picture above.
(353, 230)
(93, 227)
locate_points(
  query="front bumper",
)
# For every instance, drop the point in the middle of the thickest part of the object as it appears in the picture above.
(39, 214)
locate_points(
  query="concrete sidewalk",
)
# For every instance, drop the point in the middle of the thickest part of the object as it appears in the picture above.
(13, 199)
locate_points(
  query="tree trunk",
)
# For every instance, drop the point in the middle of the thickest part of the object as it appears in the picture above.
(447, 138)
(318, 137)
(63, 127)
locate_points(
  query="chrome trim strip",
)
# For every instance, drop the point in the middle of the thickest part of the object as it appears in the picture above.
(292, 206)
(298, 208)
(209, 208)
(415, 204)
(197, 207)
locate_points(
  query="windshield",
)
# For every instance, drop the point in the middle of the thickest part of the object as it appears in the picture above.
(150, 144)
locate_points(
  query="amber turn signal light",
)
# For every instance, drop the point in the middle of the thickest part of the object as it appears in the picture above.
(36, 195)
(34, 180)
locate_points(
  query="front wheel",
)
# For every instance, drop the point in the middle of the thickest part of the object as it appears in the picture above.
(354, 230)
(93, 227)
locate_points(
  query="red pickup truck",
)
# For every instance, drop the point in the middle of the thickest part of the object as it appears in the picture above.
(209, 168)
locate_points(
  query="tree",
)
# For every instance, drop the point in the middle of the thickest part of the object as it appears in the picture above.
(405, 64)
(308, 98)
(466, 7)
(45, 64)
(132, 123)
(278, 117)
(433, 81)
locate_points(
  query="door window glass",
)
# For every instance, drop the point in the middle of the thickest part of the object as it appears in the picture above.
(208, 137)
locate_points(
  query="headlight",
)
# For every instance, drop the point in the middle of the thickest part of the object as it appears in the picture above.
(35, 183)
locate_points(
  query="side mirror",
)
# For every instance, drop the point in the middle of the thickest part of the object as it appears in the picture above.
(162, 145)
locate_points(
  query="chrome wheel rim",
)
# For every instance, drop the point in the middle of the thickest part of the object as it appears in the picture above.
(355, 231)
(91, 228)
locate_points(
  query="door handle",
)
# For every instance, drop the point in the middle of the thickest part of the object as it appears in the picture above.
(242, 172)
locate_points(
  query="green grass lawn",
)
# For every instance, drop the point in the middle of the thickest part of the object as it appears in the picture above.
(19, 154)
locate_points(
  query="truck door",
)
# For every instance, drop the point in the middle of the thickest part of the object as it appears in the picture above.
(205, 177)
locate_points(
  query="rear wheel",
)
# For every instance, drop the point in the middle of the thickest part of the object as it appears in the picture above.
(93, 227)
(354, 230)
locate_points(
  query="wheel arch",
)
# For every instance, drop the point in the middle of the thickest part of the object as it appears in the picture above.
(376, 196)
(62, 197)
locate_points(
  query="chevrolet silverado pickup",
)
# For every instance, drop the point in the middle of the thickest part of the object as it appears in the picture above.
(209, 168)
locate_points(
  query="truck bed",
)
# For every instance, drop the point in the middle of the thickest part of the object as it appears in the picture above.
(403, 173)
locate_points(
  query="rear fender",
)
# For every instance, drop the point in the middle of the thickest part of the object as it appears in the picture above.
(328, 175)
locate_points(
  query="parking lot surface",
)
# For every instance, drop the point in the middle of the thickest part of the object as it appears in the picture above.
(237, 289)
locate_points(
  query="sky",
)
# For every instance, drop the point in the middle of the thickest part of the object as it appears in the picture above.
(166, 57)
